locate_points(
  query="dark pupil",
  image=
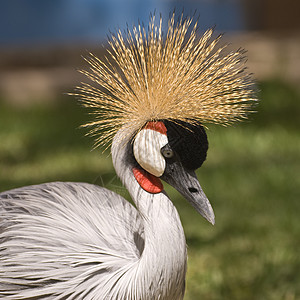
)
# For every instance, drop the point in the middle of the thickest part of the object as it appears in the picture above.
(168, 153)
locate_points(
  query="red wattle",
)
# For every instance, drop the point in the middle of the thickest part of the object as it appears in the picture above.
(147, 181)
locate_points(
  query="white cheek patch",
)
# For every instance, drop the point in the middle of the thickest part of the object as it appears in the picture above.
(146, 150)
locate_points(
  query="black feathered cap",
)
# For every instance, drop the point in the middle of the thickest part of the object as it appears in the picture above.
(189, 142)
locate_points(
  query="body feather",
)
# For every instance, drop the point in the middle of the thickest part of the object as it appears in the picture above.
(60, 237)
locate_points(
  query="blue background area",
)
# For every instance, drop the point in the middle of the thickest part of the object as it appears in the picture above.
(63, 21)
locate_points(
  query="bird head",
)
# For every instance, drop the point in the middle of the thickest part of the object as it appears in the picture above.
(172, 151)
(159, 90)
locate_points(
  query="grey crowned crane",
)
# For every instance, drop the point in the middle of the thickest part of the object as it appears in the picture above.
(151, 98)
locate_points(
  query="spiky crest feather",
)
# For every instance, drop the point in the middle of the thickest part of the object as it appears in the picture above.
(146, 78)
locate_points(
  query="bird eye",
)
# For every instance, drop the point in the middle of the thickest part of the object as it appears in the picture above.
(167, 153)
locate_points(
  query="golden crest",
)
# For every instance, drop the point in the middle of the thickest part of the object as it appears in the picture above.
(148, 77)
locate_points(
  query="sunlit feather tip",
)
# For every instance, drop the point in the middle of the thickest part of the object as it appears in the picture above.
(147, 76)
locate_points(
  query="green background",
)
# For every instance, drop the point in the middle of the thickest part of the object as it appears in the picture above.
(251, 176)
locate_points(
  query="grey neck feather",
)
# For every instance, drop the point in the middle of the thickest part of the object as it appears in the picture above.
(164, 254)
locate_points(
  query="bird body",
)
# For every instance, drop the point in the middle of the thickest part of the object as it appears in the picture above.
(67, 241)
(86, 242)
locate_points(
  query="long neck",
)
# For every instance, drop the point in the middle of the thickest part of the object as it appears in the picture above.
(164, 254)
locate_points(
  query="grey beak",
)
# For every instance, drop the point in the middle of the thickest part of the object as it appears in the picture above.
(186, 183)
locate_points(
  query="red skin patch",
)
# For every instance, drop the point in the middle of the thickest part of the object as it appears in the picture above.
(157, 126)
(147, 181)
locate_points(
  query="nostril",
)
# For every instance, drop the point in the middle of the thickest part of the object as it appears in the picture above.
(193, 190)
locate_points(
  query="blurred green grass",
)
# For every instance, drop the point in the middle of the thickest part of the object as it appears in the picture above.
(251, 177)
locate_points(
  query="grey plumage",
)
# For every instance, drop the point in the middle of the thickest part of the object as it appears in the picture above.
(80, 241)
